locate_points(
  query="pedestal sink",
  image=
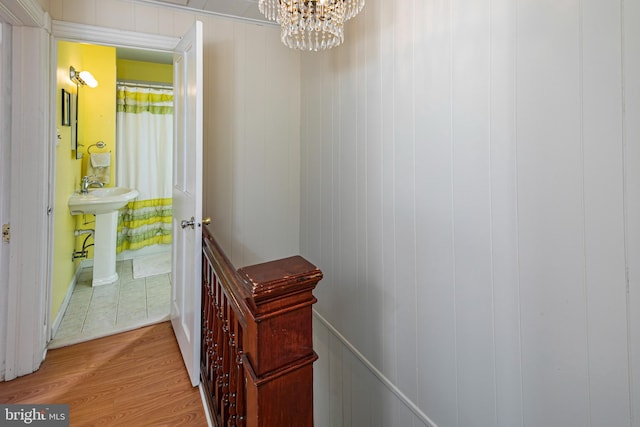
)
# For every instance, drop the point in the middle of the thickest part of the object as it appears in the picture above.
(104, 204)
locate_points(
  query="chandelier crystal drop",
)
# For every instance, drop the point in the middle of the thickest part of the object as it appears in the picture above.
(311, 24)
(269, 8)
(352, 8)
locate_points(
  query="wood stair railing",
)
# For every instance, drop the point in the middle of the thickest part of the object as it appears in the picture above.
(257, 348)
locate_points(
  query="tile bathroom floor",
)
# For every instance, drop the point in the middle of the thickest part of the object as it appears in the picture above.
(105, 310)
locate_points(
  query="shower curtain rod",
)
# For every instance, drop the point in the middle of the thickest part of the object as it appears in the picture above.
(154, 85)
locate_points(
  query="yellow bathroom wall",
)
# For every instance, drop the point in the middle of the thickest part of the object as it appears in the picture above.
(97, 119)
(144, 71)
(96, 122)
(67, 181)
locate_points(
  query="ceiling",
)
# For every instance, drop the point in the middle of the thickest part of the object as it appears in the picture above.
(242, 9)
(144, 55)
(239, 9)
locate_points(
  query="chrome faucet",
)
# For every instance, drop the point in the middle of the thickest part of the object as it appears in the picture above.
(86, 183)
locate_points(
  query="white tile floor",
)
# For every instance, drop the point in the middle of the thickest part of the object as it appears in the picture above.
(129, 303)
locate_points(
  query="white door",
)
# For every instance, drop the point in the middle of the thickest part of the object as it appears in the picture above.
(187, 198)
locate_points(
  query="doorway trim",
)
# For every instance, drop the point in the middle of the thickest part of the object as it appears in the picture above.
(82, 33)
(29, 288)
(25, 121)
(30, 137)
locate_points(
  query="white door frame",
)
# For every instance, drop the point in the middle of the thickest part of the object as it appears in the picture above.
(5, 177)
(24, 307)
(30, 280)
(82, 33)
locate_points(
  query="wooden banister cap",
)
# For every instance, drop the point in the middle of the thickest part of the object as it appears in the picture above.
(280, 277)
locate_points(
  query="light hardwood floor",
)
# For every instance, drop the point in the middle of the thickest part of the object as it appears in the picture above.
(135, 378)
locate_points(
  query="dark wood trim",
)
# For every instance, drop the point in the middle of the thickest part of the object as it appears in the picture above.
(257, 341)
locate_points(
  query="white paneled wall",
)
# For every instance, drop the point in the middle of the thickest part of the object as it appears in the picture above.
(470, 191)
(631, 137)
(5, 178)
(251, 122)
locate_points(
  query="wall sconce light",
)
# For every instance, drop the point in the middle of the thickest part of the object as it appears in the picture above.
(83, 78)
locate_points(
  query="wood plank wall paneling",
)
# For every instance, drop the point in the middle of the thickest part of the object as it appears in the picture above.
(254, 189)
(551, 216)
(504, 213)
(517, 132)
(631, 132)
(603, 183)
(5, 182)
(473, 157)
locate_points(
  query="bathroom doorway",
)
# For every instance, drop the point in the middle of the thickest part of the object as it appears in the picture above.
(142, 293)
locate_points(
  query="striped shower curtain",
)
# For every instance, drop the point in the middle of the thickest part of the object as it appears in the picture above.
(144, 133)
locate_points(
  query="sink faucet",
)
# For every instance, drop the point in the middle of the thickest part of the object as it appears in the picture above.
(86, 183)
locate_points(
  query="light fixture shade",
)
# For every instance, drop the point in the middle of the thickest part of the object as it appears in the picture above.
(88, 79)
(82, 77)
(311, 24)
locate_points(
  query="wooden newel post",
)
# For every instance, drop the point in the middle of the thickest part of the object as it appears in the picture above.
(278, 346)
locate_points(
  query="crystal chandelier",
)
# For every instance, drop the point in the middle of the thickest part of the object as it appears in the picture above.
(311, 24)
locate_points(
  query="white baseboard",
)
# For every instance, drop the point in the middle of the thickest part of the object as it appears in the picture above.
(85, 263)
(65, 302)
(205, 406)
